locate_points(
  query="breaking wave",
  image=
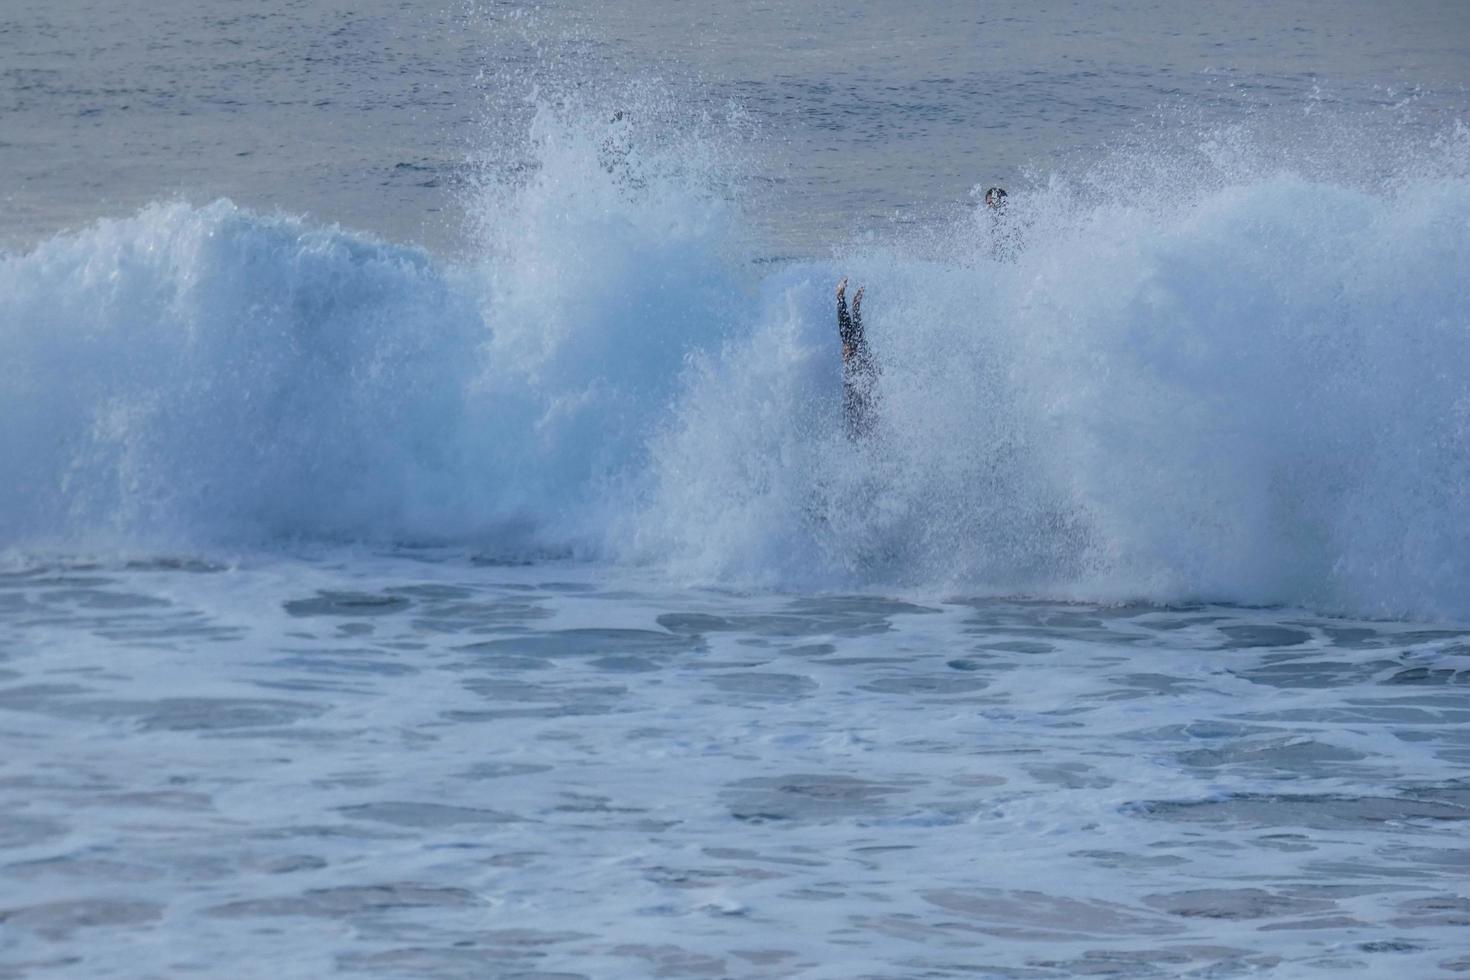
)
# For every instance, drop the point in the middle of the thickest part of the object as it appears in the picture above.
(1208, 374)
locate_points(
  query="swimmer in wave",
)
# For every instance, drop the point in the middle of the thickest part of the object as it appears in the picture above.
(859, 370)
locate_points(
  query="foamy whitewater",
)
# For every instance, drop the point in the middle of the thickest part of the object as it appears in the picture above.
(522, 609)
(1221, 384)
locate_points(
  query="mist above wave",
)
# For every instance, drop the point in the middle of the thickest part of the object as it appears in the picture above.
(1189, 375)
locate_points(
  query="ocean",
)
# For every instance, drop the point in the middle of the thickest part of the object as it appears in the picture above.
(430, 545)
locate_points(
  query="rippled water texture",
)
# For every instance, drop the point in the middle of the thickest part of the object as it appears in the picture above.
(427, 766)
(369, 112)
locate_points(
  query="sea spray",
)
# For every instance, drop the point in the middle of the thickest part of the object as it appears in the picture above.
(1253, 396)
(602, 266)
(1243, 382)
(193, 374)
(204, 374)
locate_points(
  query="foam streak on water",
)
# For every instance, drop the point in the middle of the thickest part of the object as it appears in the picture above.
(418, 765)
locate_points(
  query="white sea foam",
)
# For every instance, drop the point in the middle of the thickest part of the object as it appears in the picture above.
(1227, 378)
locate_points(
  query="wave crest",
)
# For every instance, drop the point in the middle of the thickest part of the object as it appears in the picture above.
(1246, 389)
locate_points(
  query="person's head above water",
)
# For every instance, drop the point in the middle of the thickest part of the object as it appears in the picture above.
(995, 197)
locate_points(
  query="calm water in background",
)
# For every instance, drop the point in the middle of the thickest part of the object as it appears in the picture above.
(517, 609)
(366, 113)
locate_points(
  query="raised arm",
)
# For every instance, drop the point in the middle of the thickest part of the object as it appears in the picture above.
(844, 322)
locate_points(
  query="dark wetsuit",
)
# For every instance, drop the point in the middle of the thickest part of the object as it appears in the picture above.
(859, 372)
